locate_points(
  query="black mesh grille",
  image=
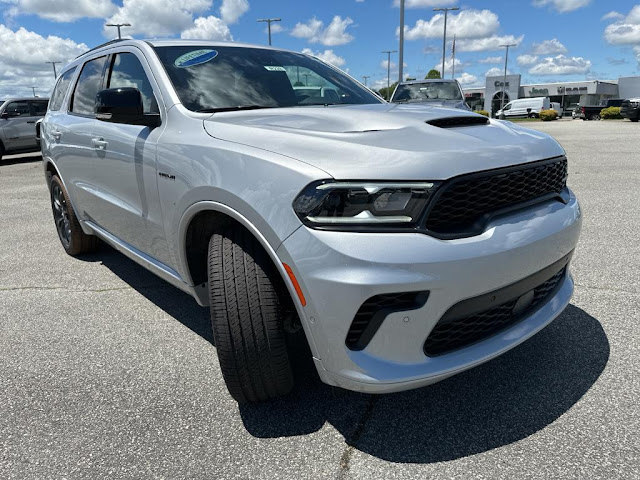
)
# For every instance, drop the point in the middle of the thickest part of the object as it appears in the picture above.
(464, 202)
(372, 312)
(451, 335)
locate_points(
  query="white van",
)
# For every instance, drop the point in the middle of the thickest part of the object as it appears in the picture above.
(524, 107)
(558, 108)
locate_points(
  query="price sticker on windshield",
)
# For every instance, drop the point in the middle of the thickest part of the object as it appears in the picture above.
(273, 68)
(196, 57)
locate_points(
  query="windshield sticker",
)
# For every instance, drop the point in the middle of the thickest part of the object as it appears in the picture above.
(275, 68)
(195, 58)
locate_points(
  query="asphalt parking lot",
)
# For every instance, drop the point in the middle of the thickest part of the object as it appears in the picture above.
(108, 372)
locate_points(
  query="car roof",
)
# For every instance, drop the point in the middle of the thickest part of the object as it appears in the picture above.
(176, 42)
(429, 80)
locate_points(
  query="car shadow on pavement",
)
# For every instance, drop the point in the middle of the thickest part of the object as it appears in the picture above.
(495, 404)
(20, 159)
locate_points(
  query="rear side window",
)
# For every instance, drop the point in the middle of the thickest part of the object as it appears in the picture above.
(88, 86)
(61, 90)
(127, 71)
(38, 108)
(17, 109)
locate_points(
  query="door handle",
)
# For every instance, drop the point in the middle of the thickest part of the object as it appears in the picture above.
(31, 121)
(99, 143)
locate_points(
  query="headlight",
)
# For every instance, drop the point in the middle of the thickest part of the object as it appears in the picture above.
(350, 205)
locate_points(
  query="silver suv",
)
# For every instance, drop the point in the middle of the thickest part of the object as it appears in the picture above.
(18, 118)
(408, 243)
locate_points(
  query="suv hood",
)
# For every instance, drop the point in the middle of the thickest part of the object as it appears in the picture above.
(383, 141)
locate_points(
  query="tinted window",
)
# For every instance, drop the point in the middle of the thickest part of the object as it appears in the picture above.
(61, 90)
(17, 109)
(38, 107)
(207, 79)
(89, 83)
(425, 92)
(127, 71)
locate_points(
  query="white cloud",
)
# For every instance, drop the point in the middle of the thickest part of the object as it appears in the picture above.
(466, 24)
(490, 60)
(493, 42)
(613, 15)
(327, 56)
(527, 59)
(625, 31)
(157, 18)
(62, 10)
(496, 72)
(334, 34)
(447, 65)
(208, 28)
(548, 47)
(561, 65)
(22, 60)
(467, 79)
(232, 10)
(424, 3)
(562, 6)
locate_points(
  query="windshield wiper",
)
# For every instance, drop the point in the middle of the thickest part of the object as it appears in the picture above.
(237, 108)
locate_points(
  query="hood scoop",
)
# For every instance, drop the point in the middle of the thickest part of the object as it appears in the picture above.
(460, 121)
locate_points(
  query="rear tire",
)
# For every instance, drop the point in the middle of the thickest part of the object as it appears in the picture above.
(73, 239)
(249, 304)
(634, 119)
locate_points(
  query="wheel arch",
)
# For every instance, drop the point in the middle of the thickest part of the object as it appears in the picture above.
(198, 222)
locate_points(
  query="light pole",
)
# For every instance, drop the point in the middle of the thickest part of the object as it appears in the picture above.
(444, 37)
(504, 80)
(269, 21)
(306, 79)
(34, 91)
(55, 74)
(389, 52)
(401, 47)
(365, 78)
(118, 25)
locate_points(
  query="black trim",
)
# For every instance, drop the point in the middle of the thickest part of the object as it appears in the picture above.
(481, 303)
(459, 121)
(359, 337)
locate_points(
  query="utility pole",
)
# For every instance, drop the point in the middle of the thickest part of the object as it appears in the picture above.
(504, 80)
(389, 52)
(55, 74)
(365, 78)
(34, 91)
(444, 37)
(119, 25)
(401, 47)
(269, 21)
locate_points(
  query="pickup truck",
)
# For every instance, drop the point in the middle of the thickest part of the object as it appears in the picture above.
(593, 112)
(631, 109)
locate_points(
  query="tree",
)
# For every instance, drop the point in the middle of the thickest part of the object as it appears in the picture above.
(386, 93)
(433, 73)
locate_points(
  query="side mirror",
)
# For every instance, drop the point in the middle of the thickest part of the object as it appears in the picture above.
(124, 105)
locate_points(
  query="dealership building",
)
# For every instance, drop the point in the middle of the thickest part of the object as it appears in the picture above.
(568, 94)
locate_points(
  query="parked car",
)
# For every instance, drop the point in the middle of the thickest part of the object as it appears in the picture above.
(631, 109)
(525, 107)
(557, 107)
(17, 124)
(587, 112)
(402, 243)
(435, 92)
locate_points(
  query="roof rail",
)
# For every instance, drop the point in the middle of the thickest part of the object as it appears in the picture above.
(103, 45)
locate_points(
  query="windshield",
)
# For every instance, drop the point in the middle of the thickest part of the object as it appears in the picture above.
(427, 92)
(210, 79)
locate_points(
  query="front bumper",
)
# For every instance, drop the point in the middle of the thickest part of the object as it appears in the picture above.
(339, 271)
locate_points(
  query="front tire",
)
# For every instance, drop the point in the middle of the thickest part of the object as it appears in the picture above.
(73, 239)
(249, 304)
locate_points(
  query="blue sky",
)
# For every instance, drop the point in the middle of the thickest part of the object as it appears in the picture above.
(558, 40)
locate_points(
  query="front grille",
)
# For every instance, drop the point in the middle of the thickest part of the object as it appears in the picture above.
(464, 204)
(449, 335)
(373, 312)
